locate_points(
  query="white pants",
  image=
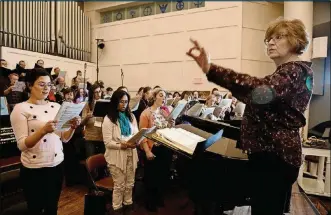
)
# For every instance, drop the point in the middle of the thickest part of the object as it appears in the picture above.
(123, 184)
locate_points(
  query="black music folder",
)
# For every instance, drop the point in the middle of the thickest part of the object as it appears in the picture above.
(101, 108)
(198, 149)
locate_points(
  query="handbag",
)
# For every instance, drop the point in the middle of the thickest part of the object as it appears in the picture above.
(95, 200)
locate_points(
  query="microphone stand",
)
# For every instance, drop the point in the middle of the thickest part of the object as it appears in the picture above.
(98, 40)
(85, 65)
(122, 76)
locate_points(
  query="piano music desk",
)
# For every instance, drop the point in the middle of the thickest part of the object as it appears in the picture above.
(316, 186)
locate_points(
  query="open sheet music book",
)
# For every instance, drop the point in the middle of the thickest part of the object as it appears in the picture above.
(140, 135)
(182, 139)
(67, 112)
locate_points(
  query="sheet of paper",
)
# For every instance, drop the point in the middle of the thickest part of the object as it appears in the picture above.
(4, 106)
(67, 112)
(177, 110)
(225, 103)
(19, 86)
(134, 103)
(240, 108)
(207, 111)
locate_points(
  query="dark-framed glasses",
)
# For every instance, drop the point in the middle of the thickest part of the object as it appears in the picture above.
(276, 38)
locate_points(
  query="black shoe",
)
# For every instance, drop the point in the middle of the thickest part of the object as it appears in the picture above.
(118, 211)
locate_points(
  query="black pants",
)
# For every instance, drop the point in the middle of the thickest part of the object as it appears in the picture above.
(156, 176)
(94, 147)
(71, 164)
(272, 179)
(42, 189)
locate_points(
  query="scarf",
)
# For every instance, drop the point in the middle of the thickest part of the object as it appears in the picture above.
(124, 124)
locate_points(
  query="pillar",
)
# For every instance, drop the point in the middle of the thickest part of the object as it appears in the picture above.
(302, 10)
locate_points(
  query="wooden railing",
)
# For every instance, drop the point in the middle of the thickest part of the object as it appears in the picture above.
(51, 27)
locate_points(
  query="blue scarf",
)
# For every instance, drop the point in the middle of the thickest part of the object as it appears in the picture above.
(124, 124)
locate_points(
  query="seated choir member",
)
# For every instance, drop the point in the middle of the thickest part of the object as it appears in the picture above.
(118, 127)
(157, 157)
(93, 131)
(274, 113)
(41, 145)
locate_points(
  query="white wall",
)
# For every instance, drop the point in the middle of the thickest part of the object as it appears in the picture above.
(13, 56)
(151, 50)
(256, 17)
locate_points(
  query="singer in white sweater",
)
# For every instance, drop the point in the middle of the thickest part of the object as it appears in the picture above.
(41, 145)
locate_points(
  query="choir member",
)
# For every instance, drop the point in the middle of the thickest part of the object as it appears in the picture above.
(144, 102)
(109, 93)
(81, 96)
(274, 113)
(41, 145)
(117, 128)
(93, 131)
(157, 159)
(123, 88)
(3, 63)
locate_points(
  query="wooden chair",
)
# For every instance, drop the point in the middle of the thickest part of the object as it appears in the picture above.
(97, 169)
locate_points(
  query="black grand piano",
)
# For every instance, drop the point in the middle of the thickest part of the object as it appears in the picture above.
(215, 182)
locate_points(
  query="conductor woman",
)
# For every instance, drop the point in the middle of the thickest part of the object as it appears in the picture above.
(274, 112)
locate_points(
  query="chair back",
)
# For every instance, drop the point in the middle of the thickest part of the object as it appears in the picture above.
(95, 162)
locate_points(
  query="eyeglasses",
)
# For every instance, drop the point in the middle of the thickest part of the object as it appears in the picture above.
(124, 101)
(276, 38)
(98, 91)
(43, 84)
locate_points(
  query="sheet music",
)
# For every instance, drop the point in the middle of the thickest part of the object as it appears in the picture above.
(134, 103)
(4, 108)
(207, 112)
(19, 86)
(67, 112)
(195, 110)
(182, 139)
(140, 135)
(240, 108)
(225, 103)
(177, 110)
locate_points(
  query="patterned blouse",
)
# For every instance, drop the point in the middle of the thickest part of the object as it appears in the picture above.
(275, 107)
